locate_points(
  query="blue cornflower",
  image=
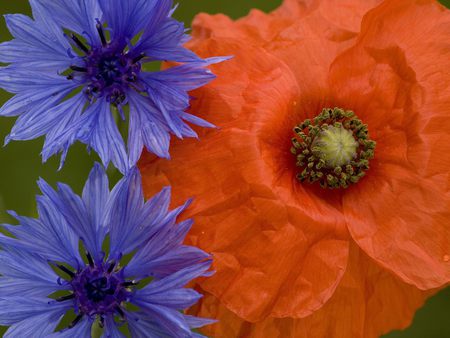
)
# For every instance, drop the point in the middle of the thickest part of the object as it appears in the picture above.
(59, 263)
(80, 64)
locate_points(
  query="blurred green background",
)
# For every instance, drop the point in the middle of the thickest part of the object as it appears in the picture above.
(20, 163)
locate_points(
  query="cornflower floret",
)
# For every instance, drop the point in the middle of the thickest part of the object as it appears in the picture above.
(106, 258)
(78, 66)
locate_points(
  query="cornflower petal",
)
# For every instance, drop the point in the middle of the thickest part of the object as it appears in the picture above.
(79, 16)
(63, 134)
(122, 212)
(163, 248)
(196, 322)
(72, 207)
(16, 309)
(82, 329)
(175, 82)
(17, 80)
(34, 45)
(155, 136)
(33, 99)
(172, 320)
(45, 118)
(46, 23)
(25, 274)
(111, 330)
(98, 130)
(32, 57)
(142, 327)
(42, 325)
(51, 236)
(167, 263)
(95, 196)
(128, 18)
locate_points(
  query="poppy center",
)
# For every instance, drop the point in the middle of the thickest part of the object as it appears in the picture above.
(332, 149)
(106, 70)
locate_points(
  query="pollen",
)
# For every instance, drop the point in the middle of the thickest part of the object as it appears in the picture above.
(336, 146)
(333, 149)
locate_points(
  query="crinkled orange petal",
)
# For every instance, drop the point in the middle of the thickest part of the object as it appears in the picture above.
(306, 35)
(258, 28)
(275, 254)
(368, 303)
(322, 30)
(400, 213)
(342, 14)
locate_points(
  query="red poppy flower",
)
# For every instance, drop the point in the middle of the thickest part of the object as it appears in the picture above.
(280, 239)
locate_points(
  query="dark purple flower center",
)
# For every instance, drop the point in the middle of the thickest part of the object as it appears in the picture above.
(99, 290)
(108, 70)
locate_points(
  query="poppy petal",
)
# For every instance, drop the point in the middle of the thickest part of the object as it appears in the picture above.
(402, 97)
(357, 309)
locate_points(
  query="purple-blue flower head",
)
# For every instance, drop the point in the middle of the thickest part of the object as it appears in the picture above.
(80, 66)
(104, 257)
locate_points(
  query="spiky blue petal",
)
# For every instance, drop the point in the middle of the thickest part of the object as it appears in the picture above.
(99, 130)
(74, 211)
(128, 18)
(163, 254)
(64, 132)
(149, 299)
(79, 16)
(111, 330)
(35, 46)
(149, 128)
(24, 274)
(124, 207)
(82, 329)
(50, 236)
(15, 309)
(41, 325)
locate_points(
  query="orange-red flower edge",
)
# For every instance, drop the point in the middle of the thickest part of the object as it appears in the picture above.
(368, 302)
(281, 248)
